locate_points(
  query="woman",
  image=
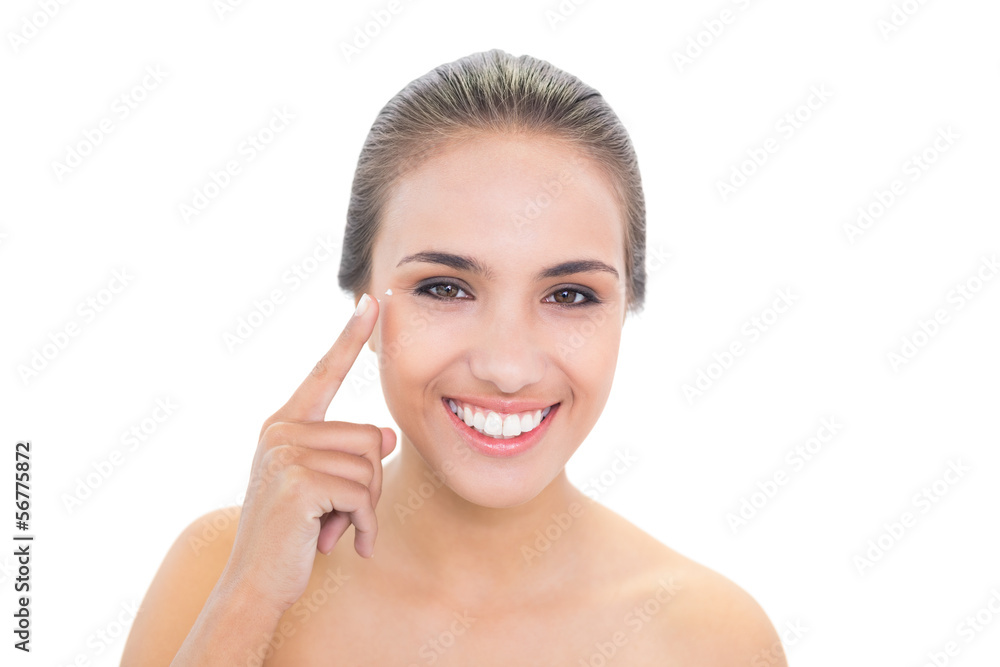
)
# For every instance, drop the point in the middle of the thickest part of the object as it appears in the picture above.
(497, 214)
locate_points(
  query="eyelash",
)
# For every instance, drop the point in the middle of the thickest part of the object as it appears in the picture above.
(589, 296)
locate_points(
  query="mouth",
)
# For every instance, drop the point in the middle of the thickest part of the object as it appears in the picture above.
(497, 433)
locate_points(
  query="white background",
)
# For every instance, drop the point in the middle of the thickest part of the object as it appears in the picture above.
(714, 265)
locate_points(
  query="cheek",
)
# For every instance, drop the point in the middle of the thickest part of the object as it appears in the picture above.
(587, 351)
(409, 354)
(416, 341)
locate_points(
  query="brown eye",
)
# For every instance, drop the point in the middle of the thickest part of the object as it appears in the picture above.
(567, 296)
(444, 290)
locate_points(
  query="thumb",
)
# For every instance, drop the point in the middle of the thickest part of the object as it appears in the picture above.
(388, 440)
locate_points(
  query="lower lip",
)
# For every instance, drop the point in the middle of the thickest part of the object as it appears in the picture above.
(496, 447)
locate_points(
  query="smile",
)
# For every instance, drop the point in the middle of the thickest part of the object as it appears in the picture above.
(515, 432)
(497, 424)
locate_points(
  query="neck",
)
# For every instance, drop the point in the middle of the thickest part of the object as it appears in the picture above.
(483, 552)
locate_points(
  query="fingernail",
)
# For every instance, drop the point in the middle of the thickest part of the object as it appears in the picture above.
(362, 305)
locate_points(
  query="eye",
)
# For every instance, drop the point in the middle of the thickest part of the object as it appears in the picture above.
(571, 296)
(442, 290)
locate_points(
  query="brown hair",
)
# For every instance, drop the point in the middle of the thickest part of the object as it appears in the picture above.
(491, 91)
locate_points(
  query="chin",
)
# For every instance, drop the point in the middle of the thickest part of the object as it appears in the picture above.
(485, 485)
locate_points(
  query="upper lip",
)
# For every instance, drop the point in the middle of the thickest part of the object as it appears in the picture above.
(503, 405)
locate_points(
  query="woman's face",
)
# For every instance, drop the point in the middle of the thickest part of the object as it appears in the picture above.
(506, 260)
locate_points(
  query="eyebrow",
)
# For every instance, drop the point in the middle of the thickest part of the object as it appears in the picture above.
(472, 265)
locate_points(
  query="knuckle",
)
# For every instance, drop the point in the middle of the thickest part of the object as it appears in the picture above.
(294, 480)
(375, 433)
(361, 495)
(368, 470)
(267, 424)
(276, 459)
(277, 433)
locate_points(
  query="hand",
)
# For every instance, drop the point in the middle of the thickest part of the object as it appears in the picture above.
(310, 479)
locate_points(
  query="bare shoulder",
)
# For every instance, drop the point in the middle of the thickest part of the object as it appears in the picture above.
(688, 611)
(181, 586)
(717, 622)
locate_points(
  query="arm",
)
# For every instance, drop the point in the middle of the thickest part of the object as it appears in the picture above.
(193, 607)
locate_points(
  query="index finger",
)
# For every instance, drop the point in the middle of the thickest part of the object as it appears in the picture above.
(312, 398)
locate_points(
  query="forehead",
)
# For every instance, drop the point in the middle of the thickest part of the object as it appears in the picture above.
(532, 199)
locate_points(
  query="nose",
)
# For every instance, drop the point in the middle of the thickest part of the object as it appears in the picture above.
(507, 352)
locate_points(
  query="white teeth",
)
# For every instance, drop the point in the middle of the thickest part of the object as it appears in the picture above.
(527, 422)
(494, 424)
(512, 426)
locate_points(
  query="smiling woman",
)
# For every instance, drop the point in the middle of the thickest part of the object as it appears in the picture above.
(497, 211)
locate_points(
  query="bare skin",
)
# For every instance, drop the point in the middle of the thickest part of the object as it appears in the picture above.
(481, 560)
(600, 578)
